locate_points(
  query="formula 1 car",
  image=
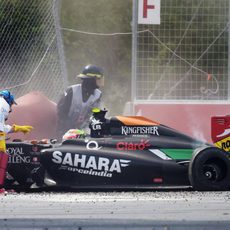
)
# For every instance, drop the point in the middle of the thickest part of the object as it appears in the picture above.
(120, 152)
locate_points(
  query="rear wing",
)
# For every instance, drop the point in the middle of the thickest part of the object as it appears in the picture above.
(220, 131)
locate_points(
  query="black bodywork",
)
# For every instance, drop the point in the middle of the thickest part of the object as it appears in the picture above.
(121, 152)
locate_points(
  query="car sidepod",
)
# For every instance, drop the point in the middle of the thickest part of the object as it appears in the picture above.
(114, 162)
(75, 166)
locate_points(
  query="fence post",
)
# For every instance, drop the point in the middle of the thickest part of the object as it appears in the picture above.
(56, 10)
(134, 53)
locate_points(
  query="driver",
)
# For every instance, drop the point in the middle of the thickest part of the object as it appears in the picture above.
(6, 103)
(75, 105)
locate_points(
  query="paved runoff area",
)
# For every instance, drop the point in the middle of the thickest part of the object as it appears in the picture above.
(116, 210)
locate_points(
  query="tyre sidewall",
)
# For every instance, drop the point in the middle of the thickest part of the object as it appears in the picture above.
(196, 176)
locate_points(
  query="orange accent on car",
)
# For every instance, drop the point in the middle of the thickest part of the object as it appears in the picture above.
(136, 120)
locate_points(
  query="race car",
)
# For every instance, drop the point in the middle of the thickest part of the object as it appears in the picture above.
(127, 152)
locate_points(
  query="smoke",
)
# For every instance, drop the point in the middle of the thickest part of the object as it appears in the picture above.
(197, 133)
(195, 126)
(92, 40)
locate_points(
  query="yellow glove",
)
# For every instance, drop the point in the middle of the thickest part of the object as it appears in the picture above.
(2, 143)
(25, 128)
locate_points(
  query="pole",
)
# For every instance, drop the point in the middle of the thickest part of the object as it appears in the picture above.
(134, 54)
(56, 10)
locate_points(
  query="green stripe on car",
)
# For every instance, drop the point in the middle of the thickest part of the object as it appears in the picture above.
(178, 154)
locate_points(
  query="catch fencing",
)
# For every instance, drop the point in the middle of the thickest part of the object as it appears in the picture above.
(186, 56)
(31, 53)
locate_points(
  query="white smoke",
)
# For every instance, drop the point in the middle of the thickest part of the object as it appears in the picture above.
(195, 127)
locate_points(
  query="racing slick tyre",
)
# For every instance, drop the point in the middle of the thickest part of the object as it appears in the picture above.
(209, 170)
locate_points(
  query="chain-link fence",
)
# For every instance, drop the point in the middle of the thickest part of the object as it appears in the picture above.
(186, 56)
(183, 58)
(31, 56)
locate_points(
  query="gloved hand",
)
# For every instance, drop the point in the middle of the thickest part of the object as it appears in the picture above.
(24, 128)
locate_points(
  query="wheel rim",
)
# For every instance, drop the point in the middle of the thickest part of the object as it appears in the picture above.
(212, 172)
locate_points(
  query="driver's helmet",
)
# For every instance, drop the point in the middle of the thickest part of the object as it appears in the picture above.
(9, 98)
(91, 71)
(99, 114)
(73, 134)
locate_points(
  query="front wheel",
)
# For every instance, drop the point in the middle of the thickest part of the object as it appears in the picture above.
(209, 170)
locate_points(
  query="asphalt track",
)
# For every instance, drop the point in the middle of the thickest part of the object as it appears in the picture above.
(116, 210)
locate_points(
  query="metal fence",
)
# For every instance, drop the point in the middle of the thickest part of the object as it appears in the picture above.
(186, 57)
(31, 55)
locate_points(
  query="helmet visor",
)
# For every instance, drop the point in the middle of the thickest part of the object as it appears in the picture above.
(90, 75)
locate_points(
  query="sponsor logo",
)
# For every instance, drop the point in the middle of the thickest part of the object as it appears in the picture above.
(35, 148)
(158, 180)
(96, 124)
(223, 144)
(225, 133)
(17, 156)
(127, 130)
(35, 159)
(133, 146)
(92, 145)
(90, 165)
(13, 151)
(3, 110)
